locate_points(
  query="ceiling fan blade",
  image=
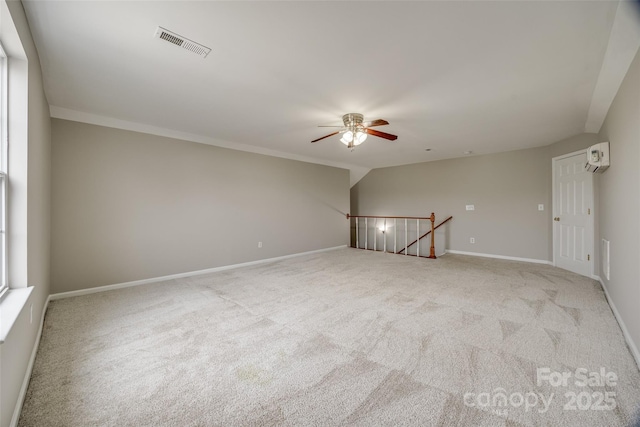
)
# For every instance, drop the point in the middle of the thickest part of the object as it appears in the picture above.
(327, 126)
(326, 136)
(379, 122)
(381, 134)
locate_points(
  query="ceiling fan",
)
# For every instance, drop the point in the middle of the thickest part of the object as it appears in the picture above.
(355, 130)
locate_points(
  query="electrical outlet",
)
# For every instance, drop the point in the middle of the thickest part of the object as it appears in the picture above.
(470, 207)
(472, 240)
(259, 245)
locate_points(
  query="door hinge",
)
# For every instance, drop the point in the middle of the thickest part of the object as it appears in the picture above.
(588, 211)
(588, 257)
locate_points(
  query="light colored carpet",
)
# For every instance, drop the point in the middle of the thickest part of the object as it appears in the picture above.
(347, 337)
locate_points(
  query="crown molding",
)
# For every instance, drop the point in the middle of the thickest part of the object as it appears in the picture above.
(356, 172)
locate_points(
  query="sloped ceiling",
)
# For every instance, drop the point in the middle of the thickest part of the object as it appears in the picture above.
(449, 76)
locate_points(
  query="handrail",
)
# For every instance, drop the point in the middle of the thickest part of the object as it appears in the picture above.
(431, 219)
(388, 217)
(425, 234)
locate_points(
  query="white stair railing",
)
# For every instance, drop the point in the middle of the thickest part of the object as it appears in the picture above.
(382, 226)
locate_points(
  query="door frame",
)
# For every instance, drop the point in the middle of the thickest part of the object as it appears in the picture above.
(591, 222)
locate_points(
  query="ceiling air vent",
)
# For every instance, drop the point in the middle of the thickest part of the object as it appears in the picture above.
(183, 42)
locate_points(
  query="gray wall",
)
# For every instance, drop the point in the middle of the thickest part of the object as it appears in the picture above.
(619, 189)
(130, 206)
(505, 188)
(30, 197)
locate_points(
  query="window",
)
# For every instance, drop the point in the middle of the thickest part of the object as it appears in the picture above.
(3, 171)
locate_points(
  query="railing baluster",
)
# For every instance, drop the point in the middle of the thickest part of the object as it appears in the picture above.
(418, 237)
(357, 241)
(375, 235)
(366, 233)
(406, 236)
(395, 234)
(384, 235)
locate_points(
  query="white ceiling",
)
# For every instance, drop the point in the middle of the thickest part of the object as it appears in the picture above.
(451, 76)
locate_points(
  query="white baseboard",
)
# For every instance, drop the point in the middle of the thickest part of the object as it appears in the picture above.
(632, 345)
(105, 288)
(510, 258)
(27, 376)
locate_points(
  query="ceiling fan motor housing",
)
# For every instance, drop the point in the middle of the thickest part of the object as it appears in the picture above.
(352, 119)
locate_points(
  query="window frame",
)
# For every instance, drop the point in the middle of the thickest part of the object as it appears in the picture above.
(4, 142)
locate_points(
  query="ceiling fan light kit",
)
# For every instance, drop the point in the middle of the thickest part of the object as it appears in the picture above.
(349, 138)
(355, 130)
(355, 135)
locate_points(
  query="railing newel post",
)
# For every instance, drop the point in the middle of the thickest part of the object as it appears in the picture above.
(432, 250)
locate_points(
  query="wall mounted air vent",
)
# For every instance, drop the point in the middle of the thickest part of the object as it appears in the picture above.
(183, 42)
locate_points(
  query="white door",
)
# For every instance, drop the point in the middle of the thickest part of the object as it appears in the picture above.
(573, 214)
